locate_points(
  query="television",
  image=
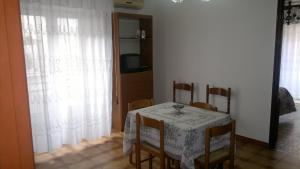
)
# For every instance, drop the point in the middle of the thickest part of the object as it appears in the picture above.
(130, 63)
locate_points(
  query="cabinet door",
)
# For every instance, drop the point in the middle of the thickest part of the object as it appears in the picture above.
(15, 132)
(135, 86)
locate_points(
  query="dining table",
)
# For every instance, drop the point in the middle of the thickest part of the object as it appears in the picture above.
(184, 131)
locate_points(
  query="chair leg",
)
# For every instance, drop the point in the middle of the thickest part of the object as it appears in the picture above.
(138, 159)
(162, 162)
(171, 164)
(172, 161)
(130, 158)
(177, 164)
(231, 163)
(150, 161)
(197, 165)
(168, 163)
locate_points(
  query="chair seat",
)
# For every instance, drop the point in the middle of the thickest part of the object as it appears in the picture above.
(215, 156)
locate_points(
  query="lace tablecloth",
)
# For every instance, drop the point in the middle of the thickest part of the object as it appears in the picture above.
(184, 134)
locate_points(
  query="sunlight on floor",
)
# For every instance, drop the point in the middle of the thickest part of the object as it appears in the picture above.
(86, 155)
(107, 153)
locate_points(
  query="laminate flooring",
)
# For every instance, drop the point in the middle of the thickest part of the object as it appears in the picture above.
(289, 133)
(106, 153)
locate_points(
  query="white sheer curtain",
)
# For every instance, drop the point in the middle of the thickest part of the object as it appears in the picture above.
(69, 69)
(290, 59)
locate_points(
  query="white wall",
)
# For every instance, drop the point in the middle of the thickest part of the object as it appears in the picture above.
(222, 43)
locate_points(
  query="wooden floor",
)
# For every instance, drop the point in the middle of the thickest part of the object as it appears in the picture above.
(289, 133)
(107, 154)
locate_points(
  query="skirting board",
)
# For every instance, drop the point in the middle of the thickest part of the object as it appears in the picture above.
(244, 139)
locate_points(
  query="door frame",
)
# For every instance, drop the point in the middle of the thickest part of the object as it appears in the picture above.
(274, 119)
(16, 137)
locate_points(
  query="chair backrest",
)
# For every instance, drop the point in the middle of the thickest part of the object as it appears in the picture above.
(204, 106)
(183, 86)
(219, 131)
(221, 92)
(152, 123)
(138, 104)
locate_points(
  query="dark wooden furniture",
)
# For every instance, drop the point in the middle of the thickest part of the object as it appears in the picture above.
(204, 106)
(185, 87)
(136, 85)
(274, 120)
(221, 92)
(138, 104)
(210, 159)
(152, 150)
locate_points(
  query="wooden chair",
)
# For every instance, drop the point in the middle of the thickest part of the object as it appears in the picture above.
(183, 86)
(221, 92)
(210, 159)
(204, 106)
(138, 104)
(152, 150)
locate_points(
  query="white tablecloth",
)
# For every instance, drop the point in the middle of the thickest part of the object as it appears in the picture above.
(184, 134)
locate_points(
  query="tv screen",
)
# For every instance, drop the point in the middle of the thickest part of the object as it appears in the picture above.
(130, 62)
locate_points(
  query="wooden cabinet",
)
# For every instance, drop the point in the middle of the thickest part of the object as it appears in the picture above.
(132, 33)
